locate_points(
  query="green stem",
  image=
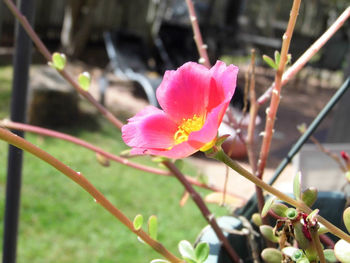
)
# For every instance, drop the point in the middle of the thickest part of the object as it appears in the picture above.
(21, 143)
(222, 157)
(316, 240)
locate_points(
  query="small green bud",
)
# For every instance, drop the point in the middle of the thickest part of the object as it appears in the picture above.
(138, 221)
(267, 232)
(202, 252)
(58, 61)
(271, 255)
(84, 80)
(297, 255)
(256, 218)
(269, 61)
(153, 227)
(186, 250)
(291, 213)
(297, 186)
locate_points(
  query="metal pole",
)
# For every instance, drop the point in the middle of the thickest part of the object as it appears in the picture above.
(21, 62)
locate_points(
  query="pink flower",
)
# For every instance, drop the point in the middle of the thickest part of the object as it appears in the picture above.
(194, 100)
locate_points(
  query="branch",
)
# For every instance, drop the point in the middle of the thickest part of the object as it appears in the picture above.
(308, 54)
(204, 209)
(59, 135)
(202, 48)
(221, 156)
(272, 110)
(87, 186)
(46, 53)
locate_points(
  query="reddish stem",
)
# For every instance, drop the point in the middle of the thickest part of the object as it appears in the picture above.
(47, 132)
(87, 186)
(272, 110)
(46, 53)
(308, 54)
(201, 47)
(205, 211)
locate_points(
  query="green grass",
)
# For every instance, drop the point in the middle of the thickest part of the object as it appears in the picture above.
(60, 222)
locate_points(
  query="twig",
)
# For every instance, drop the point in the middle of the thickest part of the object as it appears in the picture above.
(335, 157)
(87, 186)
(253, 112)
(59, 135)
(272, 110)
(316, 241)
(46, 53)
(201, 47)
(221, 156)
(308, 54)
(204, 209)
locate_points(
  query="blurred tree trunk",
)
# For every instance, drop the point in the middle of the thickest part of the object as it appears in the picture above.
(78, 17)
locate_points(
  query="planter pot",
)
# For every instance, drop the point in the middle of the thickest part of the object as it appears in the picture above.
(331, 205)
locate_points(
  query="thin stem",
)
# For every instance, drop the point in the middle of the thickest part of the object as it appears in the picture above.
(50, 133)
(87, 186)
(272, 110)
(204, 209)
(201, 47)
(335, 157)
(222, 157)
(253, 112)
(46, 53)
(308, 54)
(316, 240)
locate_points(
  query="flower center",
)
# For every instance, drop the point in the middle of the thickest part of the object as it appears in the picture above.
(188, 126)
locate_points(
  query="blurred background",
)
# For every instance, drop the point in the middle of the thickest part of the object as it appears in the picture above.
(127, 45)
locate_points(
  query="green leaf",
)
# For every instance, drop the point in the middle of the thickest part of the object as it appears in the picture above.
(153, 227)
(58, 61)
(289, 251)
(269, 61)
(138, 221)
(271, 255)
(267, 232)
(297, 186)
(309, 196)
(279, 209)
(202, 252)
(330, 256)
(267, 206)
(84, 80)
(277, 57)
(297, 255)
(186, 250)
(346, 218)
(342, 251)
(256, 218)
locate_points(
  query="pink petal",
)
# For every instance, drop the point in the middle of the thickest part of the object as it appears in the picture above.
(184, 92)
(181, 150)
(223, 84)
(150, 128)
(210, 128)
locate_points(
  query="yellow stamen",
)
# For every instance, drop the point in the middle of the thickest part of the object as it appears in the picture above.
(188, 126)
